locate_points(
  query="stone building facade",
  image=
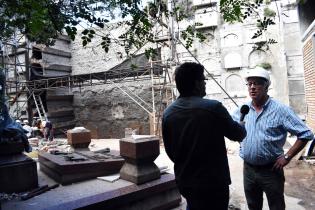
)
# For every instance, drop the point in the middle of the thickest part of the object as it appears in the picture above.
(226, 54)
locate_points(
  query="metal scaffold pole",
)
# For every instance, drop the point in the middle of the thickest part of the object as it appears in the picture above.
(153, 99)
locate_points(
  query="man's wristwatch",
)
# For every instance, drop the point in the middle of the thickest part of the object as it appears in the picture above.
(287, 157)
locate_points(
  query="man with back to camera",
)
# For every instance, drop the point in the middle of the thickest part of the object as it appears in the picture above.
(193, 131)
(267, 124)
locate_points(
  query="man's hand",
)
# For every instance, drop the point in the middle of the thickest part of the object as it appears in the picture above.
(280, 163)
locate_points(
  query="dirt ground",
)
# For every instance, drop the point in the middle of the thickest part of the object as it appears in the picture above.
(300, 183)
(299, 186)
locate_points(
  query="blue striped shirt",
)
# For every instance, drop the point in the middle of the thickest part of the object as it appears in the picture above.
(267, 132)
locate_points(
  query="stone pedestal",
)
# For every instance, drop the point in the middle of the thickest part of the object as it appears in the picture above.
(11, 148)
(139, 153)
(79, 137)
(18, 173)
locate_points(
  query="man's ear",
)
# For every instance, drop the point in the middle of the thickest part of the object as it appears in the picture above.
(197, 85)
(195, 88)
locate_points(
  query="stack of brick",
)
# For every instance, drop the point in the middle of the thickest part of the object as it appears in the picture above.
(309, 73)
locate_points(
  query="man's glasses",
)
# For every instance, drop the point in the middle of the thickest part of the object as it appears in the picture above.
(255, 84)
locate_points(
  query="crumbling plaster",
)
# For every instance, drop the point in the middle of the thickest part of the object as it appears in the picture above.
(107, 111)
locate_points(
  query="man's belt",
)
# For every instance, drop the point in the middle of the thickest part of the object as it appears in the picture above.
(265, 166)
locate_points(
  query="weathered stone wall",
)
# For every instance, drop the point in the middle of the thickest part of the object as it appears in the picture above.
(227, 54)
(92, 58)
(107, 111)
(294, 58)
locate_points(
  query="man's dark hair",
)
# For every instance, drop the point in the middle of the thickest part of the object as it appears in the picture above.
(185, 77)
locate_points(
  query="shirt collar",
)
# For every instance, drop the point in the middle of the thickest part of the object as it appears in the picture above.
(264, 106)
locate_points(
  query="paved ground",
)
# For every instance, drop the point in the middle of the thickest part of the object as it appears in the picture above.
(299, 186)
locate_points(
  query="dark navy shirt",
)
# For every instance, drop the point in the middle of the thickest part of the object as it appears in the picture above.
(193, 133)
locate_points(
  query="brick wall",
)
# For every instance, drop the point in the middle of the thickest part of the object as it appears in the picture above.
(309, 73)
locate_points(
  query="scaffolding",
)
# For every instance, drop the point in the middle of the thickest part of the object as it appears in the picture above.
(158, 72)
(20, 85)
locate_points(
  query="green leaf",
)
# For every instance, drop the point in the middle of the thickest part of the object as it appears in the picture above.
(84, 42)
(85, 31)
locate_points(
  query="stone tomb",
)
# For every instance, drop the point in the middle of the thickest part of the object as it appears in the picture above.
(66, 168)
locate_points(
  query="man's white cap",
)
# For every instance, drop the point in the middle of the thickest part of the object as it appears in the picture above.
(258, 72)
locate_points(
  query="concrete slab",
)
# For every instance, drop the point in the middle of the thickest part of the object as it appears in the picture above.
(97, 194)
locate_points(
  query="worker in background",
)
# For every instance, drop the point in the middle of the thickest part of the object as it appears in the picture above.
(27, 128)
(48, 131)
(267, 125)
(193, 131)
(37, 128)
(10, 130)
(38, 124)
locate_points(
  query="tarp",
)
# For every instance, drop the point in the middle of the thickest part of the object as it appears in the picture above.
(9, 129)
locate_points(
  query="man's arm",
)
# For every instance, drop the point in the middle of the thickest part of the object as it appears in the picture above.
(285, 159)
(296, 148)
(232, 129)
(166, 140)
(293, 124)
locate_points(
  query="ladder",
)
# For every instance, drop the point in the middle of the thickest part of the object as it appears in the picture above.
(39, 107)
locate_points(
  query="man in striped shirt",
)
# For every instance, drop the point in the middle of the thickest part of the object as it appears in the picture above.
(267, 125)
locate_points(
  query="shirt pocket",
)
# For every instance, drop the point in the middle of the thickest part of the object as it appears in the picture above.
(274, 130)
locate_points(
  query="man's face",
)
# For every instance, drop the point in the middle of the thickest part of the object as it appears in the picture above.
(257, 88)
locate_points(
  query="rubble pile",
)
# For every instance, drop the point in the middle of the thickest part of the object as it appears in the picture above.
(41, 144)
